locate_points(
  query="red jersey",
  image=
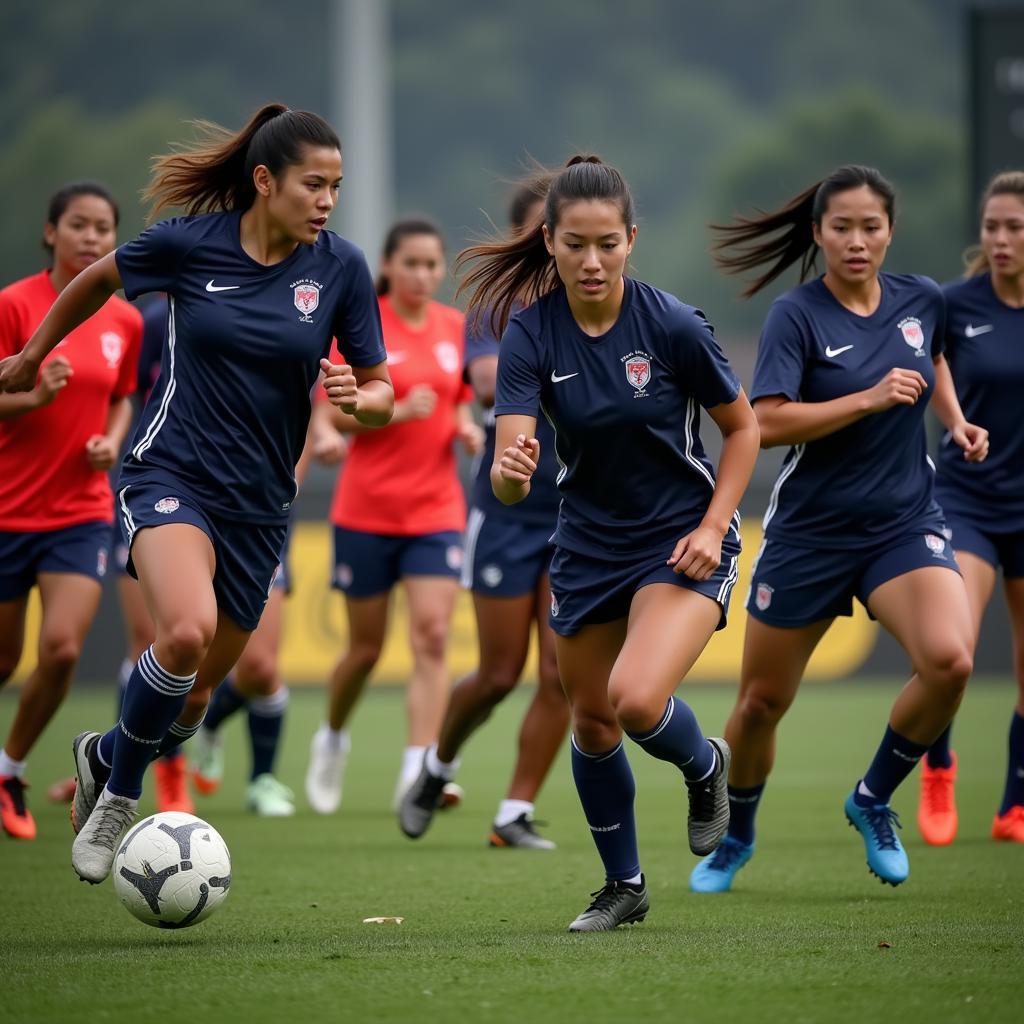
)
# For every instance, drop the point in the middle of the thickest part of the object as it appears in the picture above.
(46, 482)
(402, 479)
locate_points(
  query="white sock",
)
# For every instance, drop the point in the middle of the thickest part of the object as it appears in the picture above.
(509, 810)
(8, 766)
(412, 761)
(335, 739)
(107, 795)
(864, 791)
(445, 769)
(635, 880)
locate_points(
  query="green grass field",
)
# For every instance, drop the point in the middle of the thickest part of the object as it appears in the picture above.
(801, 938)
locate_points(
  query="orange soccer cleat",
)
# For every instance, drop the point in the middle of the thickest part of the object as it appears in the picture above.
(936, 809)
(171, 787)
(1009, 827)
(16, 818)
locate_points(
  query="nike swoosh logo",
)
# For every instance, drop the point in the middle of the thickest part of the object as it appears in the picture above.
(211, 287)
(555, 379)
(831, 352)
(973, 332)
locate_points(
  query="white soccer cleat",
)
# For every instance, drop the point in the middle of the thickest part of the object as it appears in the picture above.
(92, 853)
(326, 767)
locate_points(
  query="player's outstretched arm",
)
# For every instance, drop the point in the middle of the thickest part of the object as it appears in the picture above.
(516, 454)
(76, 303)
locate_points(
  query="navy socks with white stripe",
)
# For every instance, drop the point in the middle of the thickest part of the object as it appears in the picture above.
(152, 702)
(895, 759)
(266, 718)
(677, 738)
(605, 784)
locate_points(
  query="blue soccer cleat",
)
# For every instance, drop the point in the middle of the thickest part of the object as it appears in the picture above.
(716, 871)
(887, 860)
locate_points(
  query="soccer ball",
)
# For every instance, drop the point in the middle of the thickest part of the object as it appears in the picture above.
(172, 870)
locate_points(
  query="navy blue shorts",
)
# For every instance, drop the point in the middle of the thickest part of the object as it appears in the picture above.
(505, 557)
(248, 554)
(82, 549)
(998, 549)
(587, 591)
(283, 579)
(367, 564)
(792, 586)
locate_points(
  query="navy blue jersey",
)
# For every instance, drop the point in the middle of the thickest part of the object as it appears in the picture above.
(541, 504)
(626, 412)
(872, 479)
(154, 336)
(985, 349)
(229, 412)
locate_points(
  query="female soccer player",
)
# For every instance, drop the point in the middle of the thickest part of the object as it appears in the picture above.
(398, 510)
(57, 442)
(844, 370)
(647, 541)
(257, 290)
(506, 567)
(984, 502)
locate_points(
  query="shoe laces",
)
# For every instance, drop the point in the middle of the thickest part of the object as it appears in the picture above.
(726, 855)
(430, 792)
(114, 819)
(880, 820)
(938, 794)
(16, 791)
(606, 897)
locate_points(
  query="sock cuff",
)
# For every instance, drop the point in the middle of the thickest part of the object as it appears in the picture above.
(161, 680)
(745, 794)
(643, 737)
(603, 755)
(272, 706)
(184, 732)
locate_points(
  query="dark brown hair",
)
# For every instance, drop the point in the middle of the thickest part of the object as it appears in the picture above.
(786, 235)
(61, 200)
(399, 231)
(518, 268)
(1009, 183)
(216, 172)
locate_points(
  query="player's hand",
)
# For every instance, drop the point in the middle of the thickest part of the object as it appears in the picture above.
(471, 437)
(973, 439)
(101, 452)
(518, 462)
(699, 554)
(328, 447)
(17, 373)
(418, 404)
(340, 384)
(897, 387)
(54, 376)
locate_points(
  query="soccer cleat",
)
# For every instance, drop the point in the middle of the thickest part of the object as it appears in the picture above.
(1009, 827)
(62, 791)
(171, 775)
(715, 873)
(887, 860)
(617, 903)
(16, 818)
(92, 852)
(708, 817)
(91, 778)
(420, 801)
(208, 763)
(326, 767)
(269, 798)
(519, 835)
(936, 808)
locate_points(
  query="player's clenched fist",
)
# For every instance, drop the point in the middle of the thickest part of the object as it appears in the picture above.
(340, 385)
(17, 374)
(519, 461)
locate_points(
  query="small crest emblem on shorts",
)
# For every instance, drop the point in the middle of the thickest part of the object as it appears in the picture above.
(763, 596)
(554, 605)
(111, 345)
(913, 334)
(936, 545)
(167, 505)
(343, 576)
(453, 556)
(638, 372)
(491, 575)
(101, 562)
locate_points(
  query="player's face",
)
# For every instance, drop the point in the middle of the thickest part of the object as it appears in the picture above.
(415, 269)
(84, 232)
(854, 235)
(302, 198)
(591, 244)
(1002, 235)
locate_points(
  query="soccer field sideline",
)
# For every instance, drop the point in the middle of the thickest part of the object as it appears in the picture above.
(808, 935)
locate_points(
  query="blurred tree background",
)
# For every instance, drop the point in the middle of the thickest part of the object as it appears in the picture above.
(707, 108)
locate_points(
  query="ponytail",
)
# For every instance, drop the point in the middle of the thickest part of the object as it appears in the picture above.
(216, 172)
(519, 268)
(786, 236)
(1009, 183)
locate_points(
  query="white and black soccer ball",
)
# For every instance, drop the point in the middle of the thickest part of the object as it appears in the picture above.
(172, 870)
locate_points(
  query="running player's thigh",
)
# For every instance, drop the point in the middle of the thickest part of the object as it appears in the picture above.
(175, 565)
(12, 634)
(227, 645)
(928, 612)
(775, 659)
(503, 633)
(1014, 589)
(367, 620)
(137, 623)
(669, 627)
(431, 602)
(69, 602)
(585, 663)
(257, 664)
(547, 662)
(980, 580)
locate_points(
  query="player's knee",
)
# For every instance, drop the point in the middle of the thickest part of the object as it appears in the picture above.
(363, 655)
(429, 638)
(949, 669)
(762, 707)
(595, 732)
(256, 674)
(9, 659)
(59, 652)
(185, 644)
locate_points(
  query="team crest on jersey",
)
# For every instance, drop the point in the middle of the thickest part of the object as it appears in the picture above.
(936, 545)
(306, 297)
(167, 505)
(913, 334)
(111, 345)
(447, 356)
(763, 596)
(638, 371)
